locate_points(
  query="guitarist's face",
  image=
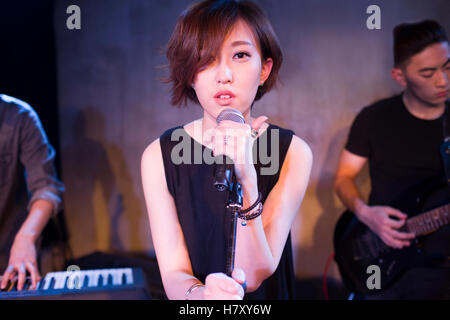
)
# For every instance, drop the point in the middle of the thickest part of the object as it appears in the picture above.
(426, 75)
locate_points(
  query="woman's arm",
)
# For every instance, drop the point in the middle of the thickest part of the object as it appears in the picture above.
(260, 243)
(167, 236)
(168, 239)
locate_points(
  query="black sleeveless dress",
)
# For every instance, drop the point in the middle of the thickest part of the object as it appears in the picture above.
(202, 209)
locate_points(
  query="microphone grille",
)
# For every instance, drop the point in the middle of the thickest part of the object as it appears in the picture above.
(230, 114)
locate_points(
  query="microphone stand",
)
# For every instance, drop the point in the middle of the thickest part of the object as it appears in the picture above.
(234, 204)
(225, 180)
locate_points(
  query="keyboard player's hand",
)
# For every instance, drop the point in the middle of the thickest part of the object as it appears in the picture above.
(22, 258)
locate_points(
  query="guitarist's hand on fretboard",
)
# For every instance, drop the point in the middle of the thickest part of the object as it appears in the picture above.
(386, 222)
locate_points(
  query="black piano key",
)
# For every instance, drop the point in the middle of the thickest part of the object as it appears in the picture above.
(52, 283)
(124, 279)
(110, 280)
(14, 284)
(66, 283)
(41, 284)
(28, 283)
(85, 282)
(100, 281)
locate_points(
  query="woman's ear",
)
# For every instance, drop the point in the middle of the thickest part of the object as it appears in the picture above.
(399, 75)
(266, 69)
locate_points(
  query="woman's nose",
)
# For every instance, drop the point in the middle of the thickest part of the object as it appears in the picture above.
(224, 73)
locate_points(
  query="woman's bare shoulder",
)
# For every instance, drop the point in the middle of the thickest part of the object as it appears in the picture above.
(300, 147)
(152, 151)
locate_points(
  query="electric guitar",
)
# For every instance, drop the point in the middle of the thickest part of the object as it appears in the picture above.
(357, 247)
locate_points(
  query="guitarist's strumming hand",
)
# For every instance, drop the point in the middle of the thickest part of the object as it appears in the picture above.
(385, 222)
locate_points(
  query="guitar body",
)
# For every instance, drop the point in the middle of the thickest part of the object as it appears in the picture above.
(357, 247)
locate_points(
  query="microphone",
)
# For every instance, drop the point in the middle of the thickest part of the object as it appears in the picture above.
(223, 173)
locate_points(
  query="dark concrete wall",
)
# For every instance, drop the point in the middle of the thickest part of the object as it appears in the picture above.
(112, 106)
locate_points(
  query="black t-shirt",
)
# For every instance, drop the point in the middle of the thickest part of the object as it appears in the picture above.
(403, 150)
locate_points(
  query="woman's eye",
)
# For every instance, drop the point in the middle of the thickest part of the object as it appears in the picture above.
(241, 55)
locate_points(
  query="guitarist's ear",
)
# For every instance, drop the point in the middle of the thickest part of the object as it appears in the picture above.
(398, 75)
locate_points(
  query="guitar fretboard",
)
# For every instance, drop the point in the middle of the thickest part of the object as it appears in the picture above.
(429, 221)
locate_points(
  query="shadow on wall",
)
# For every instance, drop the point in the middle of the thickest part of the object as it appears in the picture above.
(103, 211)
(330, 210)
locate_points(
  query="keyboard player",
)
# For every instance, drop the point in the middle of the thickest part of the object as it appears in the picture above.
(26, 164)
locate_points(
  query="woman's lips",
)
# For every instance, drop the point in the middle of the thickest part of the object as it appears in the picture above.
(224, 98)
(224, 101)
(442, 94)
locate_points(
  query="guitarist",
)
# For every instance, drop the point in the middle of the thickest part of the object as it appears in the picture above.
(400, 139)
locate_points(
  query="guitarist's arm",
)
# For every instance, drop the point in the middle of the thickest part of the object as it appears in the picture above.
(377, 218)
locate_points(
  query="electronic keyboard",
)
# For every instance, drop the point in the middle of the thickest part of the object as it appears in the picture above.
(96, 284)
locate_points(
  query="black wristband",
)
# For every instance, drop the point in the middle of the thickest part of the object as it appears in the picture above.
(253, 206)
(253, 215)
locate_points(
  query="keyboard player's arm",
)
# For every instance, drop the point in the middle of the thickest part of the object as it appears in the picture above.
(23, 256)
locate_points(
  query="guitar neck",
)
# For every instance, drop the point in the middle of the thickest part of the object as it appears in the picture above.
(429, 221)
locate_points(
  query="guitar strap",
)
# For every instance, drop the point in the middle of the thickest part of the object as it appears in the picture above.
(445, 147)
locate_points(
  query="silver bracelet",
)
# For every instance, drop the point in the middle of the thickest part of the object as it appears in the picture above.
(192, 288)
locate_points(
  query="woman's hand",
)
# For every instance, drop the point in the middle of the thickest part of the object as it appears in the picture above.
(218, 286)
(22, 258)
(235, 141)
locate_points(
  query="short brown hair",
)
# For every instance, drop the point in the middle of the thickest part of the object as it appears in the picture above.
(199, 34)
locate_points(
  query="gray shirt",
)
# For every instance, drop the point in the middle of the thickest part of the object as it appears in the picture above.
(27, 171)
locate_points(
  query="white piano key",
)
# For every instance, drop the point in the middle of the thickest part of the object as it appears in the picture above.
(129, 275)
(116, 277)
(97, 275)
(64, 279)
(104, 274)
(60, 278)
(56, 276)
(122, 277)
(93, 278)
(47, 280)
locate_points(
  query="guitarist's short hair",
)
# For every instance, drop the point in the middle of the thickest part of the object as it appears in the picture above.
(412, 38)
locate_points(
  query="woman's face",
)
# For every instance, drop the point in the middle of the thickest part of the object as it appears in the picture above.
(232, 80)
